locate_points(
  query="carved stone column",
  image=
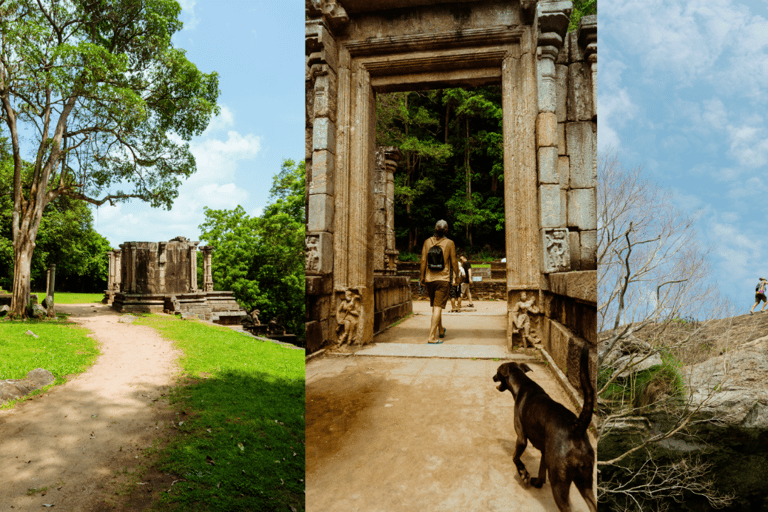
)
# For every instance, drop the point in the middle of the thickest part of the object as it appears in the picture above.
(207, 273)
(392, 157)
(380, 212)
(111, 271)
(193, 267)
(117, 269)
(587, 37)
(553, 20)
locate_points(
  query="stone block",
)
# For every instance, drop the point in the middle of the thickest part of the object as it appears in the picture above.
(579, 92)
(562, 147)
(324, 135)
(548, 165)
(582, 151)
(318, 285)
(560, 338)
(546, 85)
(576, 52)
(321, 308)
(563, 171)
(550, 206)
(320, 214)
(582, 212)
(562, 93)
(576, 285)
(589, 250)
(575, 248)
(546, 129)
(325, 93)
(564, 55)
(321, 173)
(313, 336)
(556, 250)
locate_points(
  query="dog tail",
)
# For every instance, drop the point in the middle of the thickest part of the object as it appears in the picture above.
(587, 387)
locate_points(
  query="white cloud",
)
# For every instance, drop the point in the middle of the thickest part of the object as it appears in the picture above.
(614, 105)
(188, 14)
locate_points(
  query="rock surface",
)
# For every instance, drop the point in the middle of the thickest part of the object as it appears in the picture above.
(733, 387)
(15, 388)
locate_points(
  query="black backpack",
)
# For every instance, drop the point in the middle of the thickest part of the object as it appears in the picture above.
(435, 259)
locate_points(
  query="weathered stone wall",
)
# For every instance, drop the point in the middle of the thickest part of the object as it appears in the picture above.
(159, 267)
(392, 300)
(567, 145)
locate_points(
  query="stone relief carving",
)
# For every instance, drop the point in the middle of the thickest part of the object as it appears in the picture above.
(556, 250)
(348, 316)
(312, 255)
(522, 318)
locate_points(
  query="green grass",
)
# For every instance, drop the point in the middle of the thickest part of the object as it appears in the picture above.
(666, 374)
(241, 421)
(60, 348)
(73, 298)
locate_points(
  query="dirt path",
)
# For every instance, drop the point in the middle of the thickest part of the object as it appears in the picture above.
(76, 437)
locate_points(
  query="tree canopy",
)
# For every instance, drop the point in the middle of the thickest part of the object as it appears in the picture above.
(100, 103)
(261, 258)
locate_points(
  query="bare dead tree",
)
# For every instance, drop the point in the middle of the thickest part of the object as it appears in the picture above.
(654, 296)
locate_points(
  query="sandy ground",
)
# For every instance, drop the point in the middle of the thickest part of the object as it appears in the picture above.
(423, 434)
(75, 438)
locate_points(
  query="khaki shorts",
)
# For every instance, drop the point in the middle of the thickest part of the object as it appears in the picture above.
(464, 288)
(438, 293)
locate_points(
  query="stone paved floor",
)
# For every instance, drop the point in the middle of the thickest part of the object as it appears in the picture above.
(408, 432)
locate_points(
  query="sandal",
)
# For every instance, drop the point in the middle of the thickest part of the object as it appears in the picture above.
(443, 335)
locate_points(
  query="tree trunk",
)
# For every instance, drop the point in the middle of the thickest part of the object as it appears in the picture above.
(469, 180)
(22, 264)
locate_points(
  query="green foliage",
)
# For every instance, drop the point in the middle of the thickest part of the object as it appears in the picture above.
(241, 444)
(665, 378)
(581, 8)
(452, 165)
(261, 259)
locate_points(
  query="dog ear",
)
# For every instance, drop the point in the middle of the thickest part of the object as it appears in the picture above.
(504, 370)
(525, 368)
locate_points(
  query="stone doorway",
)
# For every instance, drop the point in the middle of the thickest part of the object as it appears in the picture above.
(356, 50)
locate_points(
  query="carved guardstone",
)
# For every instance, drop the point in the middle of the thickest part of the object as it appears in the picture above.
(556, 249)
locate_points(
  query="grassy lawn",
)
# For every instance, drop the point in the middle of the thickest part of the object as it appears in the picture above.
(73, 298)
(60, 348)
(240, 420)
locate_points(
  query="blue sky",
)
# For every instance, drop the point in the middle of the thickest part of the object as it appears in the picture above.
(683, 91)
(258, 50)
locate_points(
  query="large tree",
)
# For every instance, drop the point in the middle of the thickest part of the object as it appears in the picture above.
(96, 96)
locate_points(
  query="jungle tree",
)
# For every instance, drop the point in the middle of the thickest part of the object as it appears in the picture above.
(101, 103)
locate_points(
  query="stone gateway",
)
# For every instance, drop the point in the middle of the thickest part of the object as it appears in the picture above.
(356, 49)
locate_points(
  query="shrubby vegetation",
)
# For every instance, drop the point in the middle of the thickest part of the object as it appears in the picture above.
(261, 258)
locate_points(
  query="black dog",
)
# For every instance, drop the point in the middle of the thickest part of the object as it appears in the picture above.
(555, 431)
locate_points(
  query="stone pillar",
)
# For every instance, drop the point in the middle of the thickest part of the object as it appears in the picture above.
(392, 157)
(111, 271)
(207, 274)
(553, 26)
(117, 269)
(587, 37)
(380, 213)
(193, 267)
(518, 84)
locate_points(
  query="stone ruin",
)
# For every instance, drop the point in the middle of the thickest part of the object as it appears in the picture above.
(155, 277)
(356, 49)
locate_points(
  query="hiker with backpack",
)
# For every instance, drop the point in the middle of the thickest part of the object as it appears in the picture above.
(439, 271)
(760, 290)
